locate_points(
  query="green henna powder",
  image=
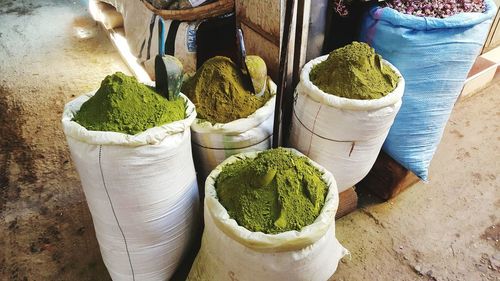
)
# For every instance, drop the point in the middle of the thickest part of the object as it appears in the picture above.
(124, 105)
(218, 93)
(354, 72)
(275, 192)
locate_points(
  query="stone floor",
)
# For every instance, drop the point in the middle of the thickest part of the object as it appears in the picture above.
(51, 51)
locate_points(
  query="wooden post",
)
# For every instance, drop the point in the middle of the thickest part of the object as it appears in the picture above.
(348, 202)
(387, 178)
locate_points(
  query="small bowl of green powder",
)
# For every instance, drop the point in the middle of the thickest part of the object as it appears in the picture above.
(273, 191)
(124, 105)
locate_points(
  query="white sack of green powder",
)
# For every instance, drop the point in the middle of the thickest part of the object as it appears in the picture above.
(310, 254)
(343, 135)
(213, 143)
(141, 191)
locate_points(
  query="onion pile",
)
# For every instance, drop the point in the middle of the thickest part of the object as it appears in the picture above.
(436, 8)
(422, 8)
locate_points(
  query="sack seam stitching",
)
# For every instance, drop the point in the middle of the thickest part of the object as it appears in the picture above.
(114, 214)
(312, 132)
(325, 138)
(314, 127)
(215, 148)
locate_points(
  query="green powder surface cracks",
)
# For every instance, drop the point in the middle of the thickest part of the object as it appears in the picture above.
(123, 104)
(275, 192)
(218, 93)
(354, 71)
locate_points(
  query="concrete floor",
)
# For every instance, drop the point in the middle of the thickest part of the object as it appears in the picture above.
(448, 229)
(51, 51)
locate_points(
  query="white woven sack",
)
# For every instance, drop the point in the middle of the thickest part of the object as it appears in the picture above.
(141, 191)
(343, 135)
(231, 252)
(213, 143)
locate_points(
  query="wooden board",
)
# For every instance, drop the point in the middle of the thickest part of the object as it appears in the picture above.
(493, 39)
(264, 14)
(480, 75)
(348, 202)
(261, 21)
(387, 178)
(259, 44)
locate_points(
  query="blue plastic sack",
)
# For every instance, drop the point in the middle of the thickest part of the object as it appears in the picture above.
(434, 55)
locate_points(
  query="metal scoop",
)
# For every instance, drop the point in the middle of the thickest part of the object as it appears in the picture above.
(168, 69)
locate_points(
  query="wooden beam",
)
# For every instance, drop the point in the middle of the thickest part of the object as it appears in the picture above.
(493, 39)
(268, 36)
(387, 178)
(348, 202)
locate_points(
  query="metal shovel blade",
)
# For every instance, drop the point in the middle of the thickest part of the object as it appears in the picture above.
(174, 70)
(160, 69)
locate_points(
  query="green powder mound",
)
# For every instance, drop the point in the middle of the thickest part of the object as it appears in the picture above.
(354, 72)
(218, 93)
(124, 105)
(275, 192)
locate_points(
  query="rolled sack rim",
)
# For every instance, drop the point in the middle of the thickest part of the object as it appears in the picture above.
(460, 20)
(306, 87)
(238, 126)
(281, 242)
(150, 136)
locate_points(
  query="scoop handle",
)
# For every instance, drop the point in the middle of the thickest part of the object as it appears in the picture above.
(243, 62)
(161, 37)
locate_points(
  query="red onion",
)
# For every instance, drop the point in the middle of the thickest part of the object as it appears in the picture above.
(436, 8)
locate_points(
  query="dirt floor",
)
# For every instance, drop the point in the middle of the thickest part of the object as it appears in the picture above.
(51, 51)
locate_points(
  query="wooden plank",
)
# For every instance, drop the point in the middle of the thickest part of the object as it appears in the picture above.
(348, 202)
(257, 44)
(256, 28)
(261, 21)
(493, 55)
(493, 39)
(316, 24)
(266, 14)
(387, 178)
(301, 35)
(480, 75)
